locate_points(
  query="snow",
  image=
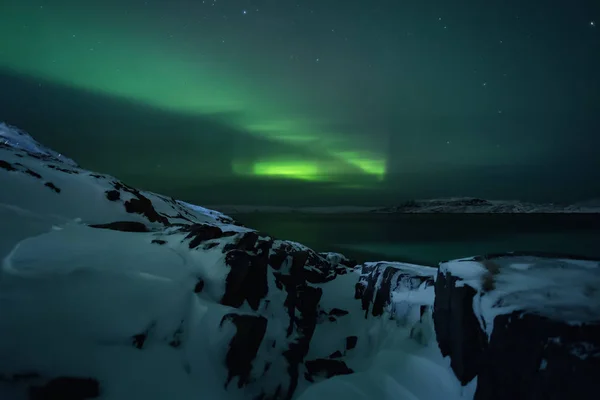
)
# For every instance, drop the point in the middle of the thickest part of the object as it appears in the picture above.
(558, 288)
(75, 299)
(9, 135)
(389, 363)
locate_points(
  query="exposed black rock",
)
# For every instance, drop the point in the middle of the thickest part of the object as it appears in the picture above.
(277, 258)
(243, 346)
(142, 205)
(247, 280)
(378, 280)
(336, 354)
(113, 195)
(305, 299)
(246, 242)
(351, 342)
(7, 166)
(66, 388)
(338, 312)
(199, 233)
(52, 186)
(159, 241)
(123, 226)
(65, 170)
(210, 245)
(139, 340)
(325, 368)
(199, 286)
(29, 171)
(533, 357)
(457, 328)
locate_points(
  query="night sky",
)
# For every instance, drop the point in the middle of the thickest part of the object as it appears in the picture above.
(320, 102)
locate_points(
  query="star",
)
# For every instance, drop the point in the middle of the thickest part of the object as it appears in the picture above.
(593, 24)
(244, 12)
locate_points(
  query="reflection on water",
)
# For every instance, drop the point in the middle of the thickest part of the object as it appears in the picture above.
(431, 238)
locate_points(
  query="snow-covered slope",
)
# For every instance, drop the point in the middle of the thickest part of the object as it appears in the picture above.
(109, 292)
(467, 205)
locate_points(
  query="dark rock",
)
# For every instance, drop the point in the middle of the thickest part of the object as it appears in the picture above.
(210, 245)
(336, 354)
(239, 262)
(66, 171)
(246, 242)
(159, 241)
(379, 280)
(326, 368)
(338, 312)
(359, 290)
(123, 226)
(199, 233)
(243, 346)
(31, 172)
(139, 340)
(533, 357)
(277, 258)
(305, 299)
(113, 195)
(199, 286)
(457, 328)
(52, 186)
(351, 342)
(141, 205)
(66, 388)
(247, 280)
(7, 166)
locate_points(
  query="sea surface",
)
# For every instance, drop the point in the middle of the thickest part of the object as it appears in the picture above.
(432, 238)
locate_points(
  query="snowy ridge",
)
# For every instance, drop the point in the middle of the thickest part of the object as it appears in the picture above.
(16, 138)
(467, 205)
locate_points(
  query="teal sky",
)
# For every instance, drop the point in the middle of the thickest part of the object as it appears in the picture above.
(313, 102)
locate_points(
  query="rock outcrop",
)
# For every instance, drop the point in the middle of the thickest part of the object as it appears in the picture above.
(527, 326)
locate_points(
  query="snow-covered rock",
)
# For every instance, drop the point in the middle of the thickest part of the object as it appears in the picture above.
(111, 292)
(525, 325)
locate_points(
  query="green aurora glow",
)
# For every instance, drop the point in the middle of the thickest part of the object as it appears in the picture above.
(133, 65)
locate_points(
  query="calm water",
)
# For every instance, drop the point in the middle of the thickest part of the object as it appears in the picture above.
(430, 238)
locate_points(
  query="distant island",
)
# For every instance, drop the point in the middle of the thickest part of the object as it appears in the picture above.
(455, 205)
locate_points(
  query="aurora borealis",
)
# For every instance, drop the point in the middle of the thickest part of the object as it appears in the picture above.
(314, 102)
